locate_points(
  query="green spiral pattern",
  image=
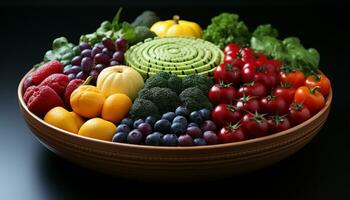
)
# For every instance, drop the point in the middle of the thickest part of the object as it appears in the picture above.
(176, 55)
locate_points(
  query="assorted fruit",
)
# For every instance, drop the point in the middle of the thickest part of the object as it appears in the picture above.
(168, 83)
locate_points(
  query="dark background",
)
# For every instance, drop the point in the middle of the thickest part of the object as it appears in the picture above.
(28, 171)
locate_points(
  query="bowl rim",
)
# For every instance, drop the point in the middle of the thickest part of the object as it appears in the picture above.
(176, 148)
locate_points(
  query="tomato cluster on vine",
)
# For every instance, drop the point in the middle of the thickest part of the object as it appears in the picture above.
(254, 97)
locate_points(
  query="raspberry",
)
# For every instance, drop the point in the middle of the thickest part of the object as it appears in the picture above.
(46, 70)
(40, 99)
(57, 82)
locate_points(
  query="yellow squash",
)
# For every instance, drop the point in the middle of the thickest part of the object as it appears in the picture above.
(98, 128)
(120, 79)
(177, 27)
(87, 101)
(61, 118)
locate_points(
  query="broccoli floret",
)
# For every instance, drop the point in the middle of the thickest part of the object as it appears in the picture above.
(202, 82)
(147, 18)
(142, 108)
(164, 98)
(175, 83)
(194, 99)
(156, 81)
(164, 75)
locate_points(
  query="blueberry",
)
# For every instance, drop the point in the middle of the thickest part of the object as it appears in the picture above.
(185, 140)
(120, 137)
(192, 124)
(123, 128)
(145, 129)
(162, 126)
(135, 137)
(199, 142)
(169, 116)
(151, 120)
(137, 123)
(193, 131)
(169, 140)
(210, 137)
(177, 128)
(205, 113)
(196, 117)
(154, 139)
(208, 125)
(128, 122)
(180, 119)
(182, 110)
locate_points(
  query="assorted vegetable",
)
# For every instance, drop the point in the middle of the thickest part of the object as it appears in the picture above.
(182, 88)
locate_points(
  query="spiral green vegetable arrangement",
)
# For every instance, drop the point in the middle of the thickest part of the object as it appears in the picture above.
(176, 55)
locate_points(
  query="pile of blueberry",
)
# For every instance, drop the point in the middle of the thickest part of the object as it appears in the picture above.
(179, 128)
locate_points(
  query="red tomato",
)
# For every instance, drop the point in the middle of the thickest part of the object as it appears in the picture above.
(221, 93)
(298, 113)
(229, 58)
(311, 98)
(319, 80)
(252, 89)
(278, 123)
(274, 105)
(248, 104)
(285, 91)
(232, 48)
(254, 125)
(296, 78)
(225, 114)
(231, 133)
(227, 73)
(259, 73)
(247, 54)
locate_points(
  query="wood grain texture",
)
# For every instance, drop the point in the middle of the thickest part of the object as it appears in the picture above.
(174, 163)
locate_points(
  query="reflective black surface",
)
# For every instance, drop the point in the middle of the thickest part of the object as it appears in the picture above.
(29, 171)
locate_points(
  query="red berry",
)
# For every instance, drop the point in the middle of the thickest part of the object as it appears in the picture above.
(72, 85)
(42, 99)
(57, 82)
(46, 70)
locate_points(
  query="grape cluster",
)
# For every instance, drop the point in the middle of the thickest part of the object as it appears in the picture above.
(92, 60)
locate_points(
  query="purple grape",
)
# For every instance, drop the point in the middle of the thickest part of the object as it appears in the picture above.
(185, 140)
(210, 137)
(108, 43)
(101, 58)
(76, 60)
(108, 52)
(199, 142)
(113, 63)
(81, 75)
(67, 67)
(145, 129)
(193, 131)
(99, 67)
(94, 74)
(99, 45)
(135, 137)
(71, 76)
(75, 69)
(208, 125)
(86, 65)
(83, 46)
(95, 51)
(121, 44)
(118, 56)
(86, 53)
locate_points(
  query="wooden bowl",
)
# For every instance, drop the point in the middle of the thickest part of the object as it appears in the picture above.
(174, 163)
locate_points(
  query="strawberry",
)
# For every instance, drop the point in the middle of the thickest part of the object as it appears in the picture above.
(57, 82)
(40, 99)
(28, 93)
(46, 70)
(72, 85)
